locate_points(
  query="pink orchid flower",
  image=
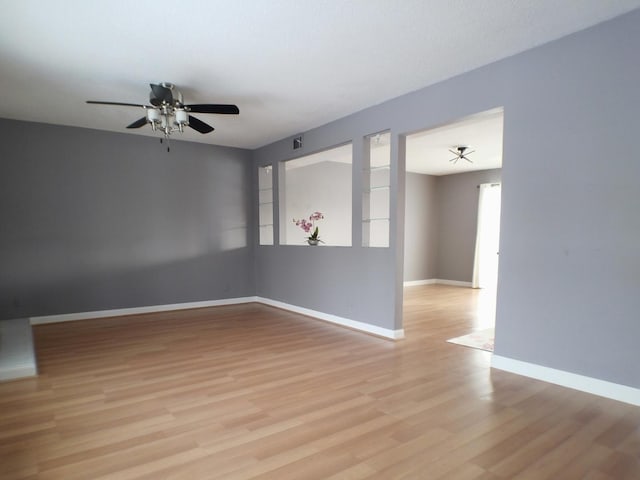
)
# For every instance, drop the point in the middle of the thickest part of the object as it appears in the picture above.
(308, 225)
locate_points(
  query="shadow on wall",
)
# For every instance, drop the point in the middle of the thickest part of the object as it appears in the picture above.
(206, 277)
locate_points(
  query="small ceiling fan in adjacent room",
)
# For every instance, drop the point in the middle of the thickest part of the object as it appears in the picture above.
(461, 153)
(168, 113)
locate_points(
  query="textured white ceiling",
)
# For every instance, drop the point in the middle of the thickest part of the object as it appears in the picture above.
(290, 65)
(428, 151)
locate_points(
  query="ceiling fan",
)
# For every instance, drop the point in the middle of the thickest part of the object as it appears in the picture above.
(461, 153)
(168, 112)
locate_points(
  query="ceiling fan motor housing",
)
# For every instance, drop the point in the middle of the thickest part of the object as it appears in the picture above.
(460, 153)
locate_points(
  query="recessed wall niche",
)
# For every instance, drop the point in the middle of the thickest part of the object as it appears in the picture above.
(320, 182)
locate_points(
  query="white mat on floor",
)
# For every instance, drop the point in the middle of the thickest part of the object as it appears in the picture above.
(482, 339)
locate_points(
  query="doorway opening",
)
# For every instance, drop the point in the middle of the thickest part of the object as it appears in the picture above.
(445, 168)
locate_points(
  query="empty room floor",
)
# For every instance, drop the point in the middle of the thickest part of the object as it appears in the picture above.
(250, 391)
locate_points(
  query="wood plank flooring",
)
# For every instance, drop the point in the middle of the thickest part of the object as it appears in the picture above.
(253, 392)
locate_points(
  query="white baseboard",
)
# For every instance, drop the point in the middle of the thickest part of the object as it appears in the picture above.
(364, 327)
(345, 322)
(602, 388)
(69, 317)
(415, 283)
(455, 283)
(439, 281)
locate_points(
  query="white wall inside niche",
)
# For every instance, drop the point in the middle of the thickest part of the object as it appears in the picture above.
(319, 182)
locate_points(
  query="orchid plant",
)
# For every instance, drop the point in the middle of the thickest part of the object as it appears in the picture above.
(310, 226)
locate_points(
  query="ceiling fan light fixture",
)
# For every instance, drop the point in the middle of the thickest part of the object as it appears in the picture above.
(168, 113)
(182, 117)
(153, 115)
(460, 153)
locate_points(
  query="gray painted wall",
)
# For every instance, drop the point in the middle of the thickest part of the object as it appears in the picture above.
(93, 220)
(569, 263)
(570, 258)
(440, 224)
(334, 280)
(421, 227)
(457, 197)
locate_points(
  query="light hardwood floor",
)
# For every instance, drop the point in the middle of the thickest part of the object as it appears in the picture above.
(253, 392)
